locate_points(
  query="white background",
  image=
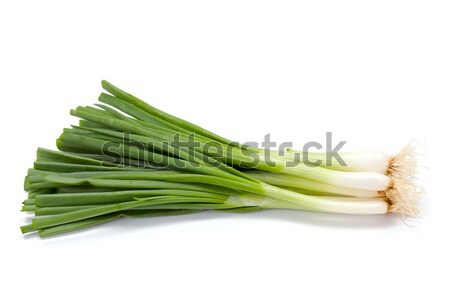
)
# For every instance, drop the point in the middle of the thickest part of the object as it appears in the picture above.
(375, 73)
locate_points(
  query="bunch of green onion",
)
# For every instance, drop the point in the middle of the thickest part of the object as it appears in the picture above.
(165, 166)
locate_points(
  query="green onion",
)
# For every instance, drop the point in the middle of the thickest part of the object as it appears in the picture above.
(126, 158)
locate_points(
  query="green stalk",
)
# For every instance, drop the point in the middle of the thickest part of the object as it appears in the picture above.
(138, 113)
(182, 124)
(97, 146)
(85, 223)
(190, 155)
(46, 155)
(68, 167)
(183, 184)
(171, 201)
(232, 155)
(54, 220)
(163, 181)
(81, 224)
(97, 198)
